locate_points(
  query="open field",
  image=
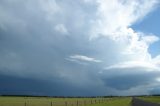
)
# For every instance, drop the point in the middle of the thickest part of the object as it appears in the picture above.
(154, 99)
(49, 101)
(115, 102)
(45, 101)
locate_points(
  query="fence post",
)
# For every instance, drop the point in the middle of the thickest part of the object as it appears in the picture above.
(77, 102)
(25, 104)
(51, 103)
(65, 103)
(84, 103)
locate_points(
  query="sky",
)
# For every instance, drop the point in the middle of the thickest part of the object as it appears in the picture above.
(79, 47)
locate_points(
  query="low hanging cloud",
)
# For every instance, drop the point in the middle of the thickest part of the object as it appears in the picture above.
(135, 64)
(112, 57)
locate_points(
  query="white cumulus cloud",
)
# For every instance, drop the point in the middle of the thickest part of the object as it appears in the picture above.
(114, 21)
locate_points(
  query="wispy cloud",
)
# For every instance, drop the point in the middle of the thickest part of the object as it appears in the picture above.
(83, 58)
(61, 28)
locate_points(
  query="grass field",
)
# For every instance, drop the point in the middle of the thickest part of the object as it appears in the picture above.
(154, 99)
(115, 102)
(44, 101)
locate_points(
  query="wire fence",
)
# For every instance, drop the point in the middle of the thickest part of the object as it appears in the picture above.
(56, 103)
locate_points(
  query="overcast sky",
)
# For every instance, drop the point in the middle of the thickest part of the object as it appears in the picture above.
(79, 47)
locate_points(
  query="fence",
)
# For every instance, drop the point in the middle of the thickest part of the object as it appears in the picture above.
(77, 102)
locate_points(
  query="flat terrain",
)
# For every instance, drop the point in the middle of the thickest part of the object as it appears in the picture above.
(116, 102)
(45, 101)
(48, 101)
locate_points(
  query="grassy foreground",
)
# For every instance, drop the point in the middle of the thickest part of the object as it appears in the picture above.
(154, 99)
(45, 101)
(115, 102)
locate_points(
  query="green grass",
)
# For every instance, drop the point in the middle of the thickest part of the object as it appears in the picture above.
(44, 101)
(115, 102)
(154, 99)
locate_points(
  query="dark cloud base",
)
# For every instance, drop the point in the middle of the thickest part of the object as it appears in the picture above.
(12, 85)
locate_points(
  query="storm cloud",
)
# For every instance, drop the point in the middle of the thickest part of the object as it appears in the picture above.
(81, 47)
